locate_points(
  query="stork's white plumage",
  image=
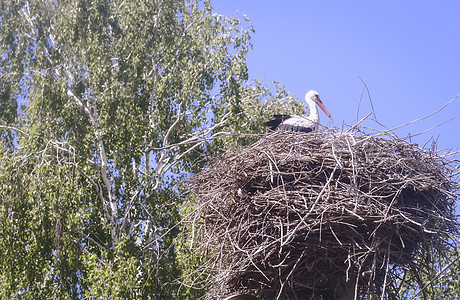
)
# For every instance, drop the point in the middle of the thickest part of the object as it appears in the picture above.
(241, 297)
(299, 123)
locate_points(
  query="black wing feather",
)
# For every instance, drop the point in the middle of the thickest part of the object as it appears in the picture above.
(278, 124)
(278, 119)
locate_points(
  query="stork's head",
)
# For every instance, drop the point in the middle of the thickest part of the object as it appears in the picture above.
(314, 96)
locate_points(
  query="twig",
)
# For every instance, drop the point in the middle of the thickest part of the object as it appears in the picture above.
(424, 117)
(15, 129)
(435, 277)
(370, 99)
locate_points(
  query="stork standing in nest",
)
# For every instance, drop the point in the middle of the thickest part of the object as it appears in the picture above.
(299, 123)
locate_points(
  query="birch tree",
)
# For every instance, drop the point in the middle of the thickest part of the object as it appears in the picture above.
(106, 106)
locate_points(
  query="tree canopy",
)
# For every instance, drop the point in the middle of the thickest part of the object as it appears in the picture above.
(105, 107)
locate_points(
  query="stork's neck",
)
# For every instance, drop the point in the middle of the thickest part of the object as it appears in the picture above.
(313, 116)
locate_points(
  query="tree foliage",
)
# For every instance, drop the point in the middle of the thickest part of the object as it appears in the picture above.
(105, 107)
(441, 281)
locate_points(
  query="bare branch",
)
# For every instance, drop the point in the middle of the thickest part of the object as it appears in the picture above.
(92, 114)
(166, 161)
(424, 117)
(14, 129)
(370, 99)
(437, 125)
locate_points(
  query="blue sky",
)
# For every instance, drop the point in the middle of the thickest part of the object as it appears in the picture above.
(407, 52)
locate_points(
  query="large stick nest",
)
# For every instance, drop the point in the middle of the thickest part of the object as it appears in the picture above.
(310, 214)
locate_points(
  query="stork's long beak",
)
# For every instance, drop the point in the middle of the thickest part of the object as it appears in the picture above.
(320, 103)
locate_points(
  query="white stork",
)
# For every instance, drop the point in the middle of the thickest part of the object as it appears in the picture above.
(298, 123)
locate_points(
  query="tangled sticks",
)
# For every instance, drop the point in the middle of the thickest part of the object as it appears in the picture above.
(327, 213)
